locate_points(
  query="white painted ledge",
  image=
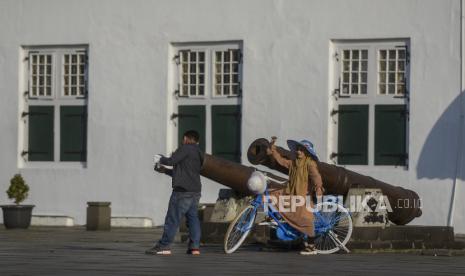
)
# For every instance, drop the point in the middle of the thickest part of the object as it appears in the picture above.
(139, 222)
(43, 220)
(49, 220)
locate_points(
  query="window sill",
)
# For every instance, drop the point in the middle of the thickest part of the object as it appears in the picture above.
(53, 165)
(374, 168)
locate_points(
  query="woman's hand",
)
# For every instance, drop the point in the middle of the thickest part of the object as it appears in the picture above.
(271, 149)
(319, 191)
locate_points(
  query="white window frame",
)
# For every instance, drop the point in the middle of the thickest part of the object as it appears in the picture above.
(350, 73)
(222, 84)
(372, 98)
(396, 71)
(31, 86)
(57, 99)
(208, 99)
(198, 62)
(82, 54)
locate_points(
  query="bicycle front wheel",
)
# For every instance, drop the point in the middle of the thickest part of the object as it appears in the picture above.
(239, 229)
(333, 228)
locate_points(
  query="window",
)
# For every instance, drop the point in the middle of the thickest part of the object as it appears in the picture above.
(193, 73)
(40, 75)
(370, 103)
(391, 71)
(354, 72)
(208, 96)
(227, 73)
(74, 73)
(55, 104)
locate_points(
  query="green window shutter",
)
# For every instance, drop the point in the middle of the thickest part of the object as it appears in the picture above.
(73, 136)
(191, 117)
(390, 135)
(40, 134)
(226, 132)
(353, 135)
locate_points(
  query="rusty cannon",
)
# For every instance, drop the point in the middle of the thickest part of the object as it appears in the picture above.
(338, 180)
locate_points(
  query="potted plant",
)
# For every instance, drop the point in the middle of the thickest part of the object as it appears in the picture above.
(17, 216)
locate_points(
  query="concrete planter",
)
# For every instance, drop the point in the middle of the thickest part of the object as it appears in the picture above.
(17, 216)
(98, 216)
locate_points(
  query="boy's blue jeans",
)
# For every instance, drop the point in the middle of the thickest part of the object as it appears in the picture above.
(182, 204)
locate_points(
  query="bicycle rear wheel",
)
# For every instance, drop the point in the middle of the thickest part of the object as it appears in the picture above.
(333, 228)
(239, 228)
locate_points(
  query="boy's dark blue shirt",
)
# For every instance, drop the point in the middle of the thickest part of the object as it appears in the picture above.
(187, 162)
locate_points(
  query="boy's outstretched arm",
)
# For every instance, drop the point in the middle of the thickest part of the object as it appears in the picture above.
(175, 158)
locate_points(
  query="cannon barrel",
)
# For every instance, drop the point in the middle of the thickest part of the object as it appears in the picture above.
(231, 174)
(338, 180)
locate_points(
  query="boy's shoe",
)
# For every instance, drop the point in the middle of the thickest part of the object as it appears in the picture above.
(309, 250)
(194, 251)
(158, 250)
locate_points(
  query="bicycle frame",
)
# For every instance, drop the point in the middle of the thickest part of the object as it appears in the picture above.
(271, 212)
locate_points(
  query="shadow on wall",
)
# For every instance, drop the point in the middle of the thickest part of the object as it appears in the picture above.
(438, 156)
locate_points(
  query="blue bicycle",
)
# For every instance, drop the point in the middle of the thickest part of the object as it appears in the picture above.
(332, 222)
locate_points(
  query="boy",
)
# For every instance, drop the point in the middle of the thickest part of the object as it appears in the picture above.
(187, 162)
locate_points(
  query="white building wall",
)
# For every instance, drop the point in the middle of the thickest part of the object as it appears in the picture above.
(286, 86)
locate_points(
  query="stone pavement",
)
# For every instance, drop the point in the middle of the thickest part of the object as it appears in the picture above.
(75, 251)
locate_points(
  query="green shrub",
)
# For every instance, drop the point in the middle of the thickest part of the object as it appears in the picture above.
(18, 189)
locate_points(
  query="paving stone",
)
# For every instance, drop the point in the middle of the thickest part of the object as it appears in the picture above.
(402, 244)
(284, 245)
(393, 233)
(436, 252)
(75, 251)
(381, 245)
(366, 233)
(435, 245)
(441, 234)
(458, 245)
(418, 244)
(434, 234)
(414, 233)
(359, 245)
